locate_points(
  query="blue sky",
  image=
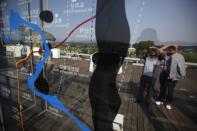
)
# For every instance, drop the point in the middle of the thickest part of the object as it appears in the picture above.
(173, 20)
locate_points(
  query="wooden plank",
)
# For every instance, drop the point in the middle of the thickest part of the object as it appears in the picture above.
(155, 118)
(170, 117)
(173, 116)
(128, 116)
(140, 119)
(43, 125)
(165, 119)
(149, 114)
(146, 121)
(134, 117)
(151, 127)
(183, 122)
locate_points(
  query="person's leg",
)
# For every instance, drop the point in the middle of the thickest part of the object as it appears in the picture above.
(171, 85)
(149, 86)
(162, 94)
(162, 78)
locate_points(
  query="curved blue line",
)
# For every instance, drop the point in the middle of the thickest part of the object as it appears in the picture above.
(15, 21)
(4, 38)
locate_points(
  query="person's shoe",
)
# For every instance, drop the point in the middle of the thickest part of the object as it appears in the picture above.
(168, 106)
(159, 103)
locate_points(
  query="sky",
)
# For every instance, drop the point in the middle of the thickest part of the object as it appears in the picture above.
(173, 20)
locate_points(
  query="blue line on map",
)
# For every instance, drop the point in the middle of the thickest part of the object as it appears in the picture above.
(4, 38)
(15, 21)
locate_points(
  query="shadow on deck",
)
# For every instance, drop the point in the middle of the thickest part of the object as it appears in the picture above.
(137, 117)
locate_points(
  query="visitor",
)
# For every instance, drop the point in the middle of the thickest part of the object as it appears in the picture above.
(173, 71)
(148, 78)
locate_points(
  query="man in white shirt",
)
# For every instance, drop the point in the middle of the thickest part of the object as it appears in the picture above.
(149, 75)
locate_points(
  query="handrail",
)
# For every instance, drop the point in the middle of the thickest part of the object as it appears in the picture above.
(191, 64)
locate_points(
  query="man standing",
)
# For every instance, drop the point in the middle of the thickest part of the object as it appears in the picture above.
(174, 70)
(149, 75)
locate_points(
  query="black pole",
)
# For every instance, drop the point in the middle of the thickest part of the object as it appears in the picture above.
(42, 25)
(31, 44)
(41, 9)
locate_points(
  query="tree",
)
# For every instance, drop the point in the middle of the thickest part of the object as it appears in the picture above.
(142, 47)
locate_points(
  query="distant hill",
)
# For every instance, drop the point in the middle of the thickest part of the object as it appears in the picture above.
(148, 34)
(151, 34)
(180, 43)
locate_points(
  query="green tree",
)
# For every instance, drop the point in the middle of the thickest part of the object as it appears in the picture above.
(142, 47)
(131, 54)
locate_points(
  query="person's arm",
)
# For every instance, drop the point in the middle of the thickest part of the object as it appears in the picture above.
(162, 49)
(181, 66)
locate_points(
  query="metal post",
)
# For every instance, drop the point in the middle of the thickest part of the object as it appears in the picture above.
(29, 15)
(42, 26)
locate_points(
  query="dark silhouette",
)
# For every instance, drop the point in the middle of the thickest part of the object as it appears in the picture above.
(46, 16)
(41, 83)
(113, 36)
(149, 34)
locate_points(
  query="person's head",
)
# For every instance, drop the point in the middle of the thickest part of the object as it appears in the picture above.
(152, 51)
(172, 49)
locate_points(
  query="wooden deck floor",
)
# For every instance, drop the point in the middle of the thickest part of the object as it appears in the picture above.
(137, 117)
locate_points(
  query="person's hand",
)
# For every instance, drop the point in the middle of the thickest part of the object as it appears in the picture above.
(162, 49)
